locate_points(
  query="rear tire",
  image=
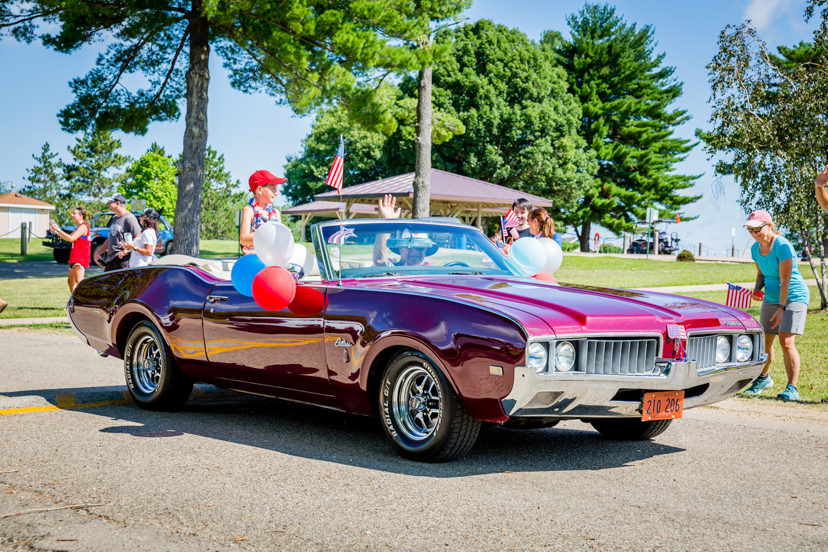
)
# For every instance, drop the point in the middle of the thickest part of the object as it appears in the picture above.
(630, 429)
(152, 375)
(421, 414)
(61, 255)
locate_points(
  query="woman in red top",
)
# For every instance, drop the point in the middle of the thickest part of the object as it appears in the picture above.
(81, 246)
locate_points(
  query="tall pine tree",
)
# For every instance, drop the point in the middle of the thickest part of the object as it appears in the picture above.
(94, 172)
(625, 96)
(154, 178)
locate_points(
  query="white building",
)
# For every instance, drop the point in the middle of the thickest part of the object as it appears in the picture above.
(15, 209)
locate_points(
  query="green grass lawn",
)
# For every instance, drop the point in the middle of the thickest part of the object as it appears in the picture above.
(34, 297)
(638, 273)
(812, 347)
(10, 250)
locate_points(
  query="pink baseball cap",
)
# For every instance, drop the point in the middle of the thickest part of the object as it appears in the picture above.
(758, 218)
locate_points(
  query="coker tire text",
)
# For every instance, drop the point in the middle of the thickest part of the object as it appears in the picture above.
(420, 412)
(152, 375)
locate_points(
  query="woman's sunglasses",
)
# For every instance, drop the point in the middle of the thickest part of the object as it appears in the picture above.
(757, 229)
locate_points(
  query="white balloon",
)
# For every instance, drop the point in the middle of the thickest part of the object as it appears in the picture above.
(302, 256)
(554, 255)
(273, 242)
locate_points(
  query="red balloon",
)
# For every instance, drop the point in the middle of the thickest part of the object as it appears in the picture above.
(308, 301)
(273, 288)
(543, 276)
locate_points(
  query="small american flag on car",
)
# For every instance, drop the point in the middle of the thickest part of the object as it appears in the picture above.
(341, 236)
(738, 297)
(679, 334)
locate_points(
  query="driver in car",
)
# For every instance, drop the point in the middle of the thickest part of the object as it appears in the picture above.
(412, 247)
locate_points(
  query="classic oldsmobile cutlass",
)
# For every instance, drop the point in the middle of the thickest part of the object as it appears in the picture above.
(426, 325)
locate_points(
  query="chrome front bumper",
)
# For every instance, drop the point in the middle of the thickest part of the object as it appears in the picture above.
(600, 396)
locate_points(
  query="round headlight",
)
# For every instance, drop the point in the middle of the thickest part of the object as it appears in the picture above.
(722, 349)
(536, 357)
(744, 348)
(564, 356)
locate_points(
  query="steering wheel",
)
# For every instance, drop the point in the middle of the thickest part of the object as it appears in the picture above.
(456, 263)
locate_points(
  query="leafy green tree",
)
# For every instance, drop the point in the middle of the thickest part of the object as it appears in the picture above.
(94, 172)
(154, 178)
(498, 97)
(222, 198)
(307, 53)
(46, 184)
(769, 129)
(624, 94)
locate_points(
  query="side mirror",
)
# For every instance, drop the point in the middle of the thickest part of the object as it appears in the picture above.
(297, 271)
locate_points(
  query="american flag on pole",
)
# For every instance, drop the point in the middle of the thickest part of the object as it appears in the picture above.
(335, 176)
(511, 219)
(738, 297)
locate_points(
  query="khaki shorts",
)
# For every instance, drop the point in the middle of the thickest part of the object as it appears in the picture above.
(793, 318)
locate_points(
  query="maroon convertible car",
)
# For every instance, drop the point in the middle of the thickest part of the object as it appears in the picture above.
(426, 325)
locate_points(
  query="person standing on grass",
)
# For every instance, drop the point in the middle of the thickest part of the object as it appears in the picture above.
(542, 226)
(142, 250)
(121, 224)
(81, 246)
(264, 186)
(785, 305)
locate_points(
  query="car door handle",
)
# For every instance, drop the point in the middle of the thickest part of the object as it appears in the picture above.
(216, 298)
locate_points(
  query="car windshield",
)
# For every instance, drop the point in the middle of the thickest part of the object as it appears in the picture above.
(365, 249)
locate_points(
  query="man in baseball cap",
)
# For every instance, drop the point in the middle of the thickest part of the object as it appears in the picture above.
(117, 198)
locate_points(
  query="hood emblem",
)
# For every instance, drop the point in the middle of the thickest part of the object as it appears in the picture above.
(342, 343)
(731, 323)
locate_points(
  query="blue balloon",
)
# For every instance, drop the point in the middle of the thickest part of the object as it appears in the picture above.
(529, 255)
(243, 273)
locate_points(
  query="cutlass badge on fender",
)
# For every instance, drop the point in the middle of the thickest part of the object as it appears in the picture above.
(342, 343)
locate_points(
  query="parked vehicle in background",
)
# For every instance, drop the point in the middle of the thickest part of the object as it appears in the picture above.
(667, 245)
(100, 232)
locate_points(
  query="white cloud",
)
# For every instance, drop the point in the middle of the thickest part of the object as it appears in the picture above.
(763, 12)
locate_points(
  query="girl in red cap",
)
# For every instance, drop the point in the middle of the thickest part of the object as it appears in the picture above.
(263, 185)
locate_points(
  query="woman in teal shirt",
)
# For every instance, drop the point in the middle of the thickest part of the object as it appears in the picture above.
(785, 303)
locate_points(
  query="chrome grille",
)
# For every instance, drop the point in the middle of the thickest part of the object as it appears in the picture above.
(620, 357)
(702, 349)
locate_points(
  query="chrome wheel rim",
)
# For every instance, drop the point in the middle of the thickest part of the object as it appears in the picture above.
(147, 365)
(416, 403)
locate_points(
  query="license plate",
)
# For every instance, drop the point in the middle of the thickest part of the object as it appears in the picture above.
(664, 405)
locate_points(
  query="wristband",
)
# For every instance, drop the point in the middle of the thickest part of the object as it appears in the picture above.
(781, 307)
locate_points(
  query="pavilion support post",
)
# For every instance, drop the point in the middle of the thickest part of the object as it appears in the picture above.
(480, 215)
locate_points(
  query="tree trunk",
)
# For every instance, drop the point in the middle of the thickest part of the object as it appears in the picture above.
(191, 168)
(422, 148)
(584, 237)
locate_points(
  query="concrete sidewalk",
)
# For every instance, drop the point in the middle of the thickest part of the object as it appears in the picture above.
(33, 321)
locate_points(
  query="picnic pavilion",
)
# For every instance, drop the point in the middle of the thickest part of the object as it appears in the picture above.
(452, 195)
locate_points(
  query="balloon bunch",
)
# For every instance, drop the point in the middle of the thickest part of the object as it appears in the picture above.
(263, 277)
(537, 258)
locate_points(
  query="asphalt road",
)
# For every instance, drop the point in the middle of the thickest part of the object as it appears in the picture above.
(233, 472)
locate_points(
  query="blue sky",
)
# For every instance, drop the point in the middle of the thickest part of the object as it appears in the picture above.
(253, 133)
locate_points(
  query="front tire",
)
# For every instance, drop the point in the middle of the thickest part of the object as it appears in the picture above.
(630, 429)
(152, 375)
(421, 414)
(61, 255)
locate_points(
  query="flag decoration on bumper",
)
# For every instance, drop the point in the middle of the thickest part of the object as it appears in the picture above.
(738, 297)
(679, 334)
(335, 175)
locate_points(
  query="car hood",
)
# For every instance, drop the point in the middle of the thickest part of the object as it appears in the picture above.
(567, 309)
